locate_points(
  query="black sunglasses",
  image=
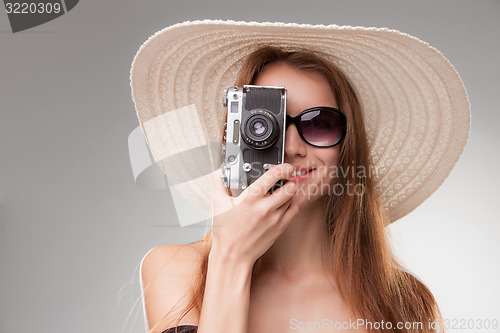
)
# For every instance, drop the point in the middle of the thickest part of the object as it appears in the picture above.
(320, 126)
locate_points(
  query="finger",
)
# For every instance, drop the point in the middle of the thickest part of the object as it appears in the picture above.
(262, 185)
(282, 209)
(286, 213)
(283, 194)
(289, 213)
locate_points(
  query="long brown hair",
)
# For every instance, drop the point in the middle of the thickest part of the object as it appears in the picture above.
(368, 277)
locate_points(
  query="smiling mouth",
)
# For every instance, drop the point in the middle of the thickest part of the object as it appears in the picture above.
(301, 172)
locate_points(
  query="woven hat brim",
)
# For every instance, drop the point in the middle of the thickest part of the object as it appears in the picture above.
(414, 104)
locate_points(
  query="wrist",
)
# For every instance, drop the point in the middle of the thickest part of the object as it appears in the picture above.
(226, 271)
(229, 258)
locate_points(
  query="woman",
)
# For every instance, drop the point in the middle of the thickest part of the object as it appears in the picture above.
(312, 254)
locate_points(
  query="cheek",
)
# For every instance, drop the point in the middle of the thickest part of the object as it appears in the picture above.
(329, 169)
(329, 157)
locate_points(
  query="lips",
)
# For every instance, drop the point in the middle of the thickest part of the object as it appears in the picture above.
(300, 173)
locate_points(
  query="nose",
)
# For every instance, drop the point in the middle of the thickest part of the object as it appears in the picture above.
(294, 145)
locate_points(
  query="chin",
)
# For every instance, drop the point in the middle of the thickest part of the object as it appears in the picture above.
(307, 194)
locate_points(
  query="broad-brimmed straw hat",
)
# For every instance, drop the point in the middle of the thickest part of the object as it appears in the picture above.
(414, 104)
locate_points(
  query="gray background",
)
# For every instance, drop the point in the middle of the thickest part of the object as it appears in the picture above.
(74, 225)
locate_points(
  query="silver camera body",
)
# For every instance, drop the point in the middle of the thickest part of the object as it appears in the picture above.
(254, 135)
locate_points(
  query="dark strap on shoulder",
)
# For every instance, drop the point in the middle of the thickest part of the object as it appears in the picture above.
(182, 329)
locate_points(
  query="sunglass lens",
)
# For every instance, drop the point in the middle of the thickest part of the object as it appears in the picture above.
(322, 128)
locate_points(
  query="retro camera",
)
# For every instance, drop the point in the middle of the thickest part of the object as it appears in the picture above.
(254, 134)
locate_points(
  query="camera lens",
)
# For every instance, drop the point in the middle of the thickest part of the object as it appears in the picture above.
(260, 129)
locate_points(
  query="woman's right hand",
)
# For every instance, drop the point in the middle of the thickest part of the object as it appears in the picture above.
(246, 226)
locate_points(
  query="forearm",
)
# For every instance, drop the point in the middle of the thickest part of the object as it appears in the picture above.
(227, 295)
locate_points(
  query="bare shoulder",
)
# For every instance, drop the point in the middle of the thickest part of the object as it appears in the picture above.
(168, 274)
(180, 259)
